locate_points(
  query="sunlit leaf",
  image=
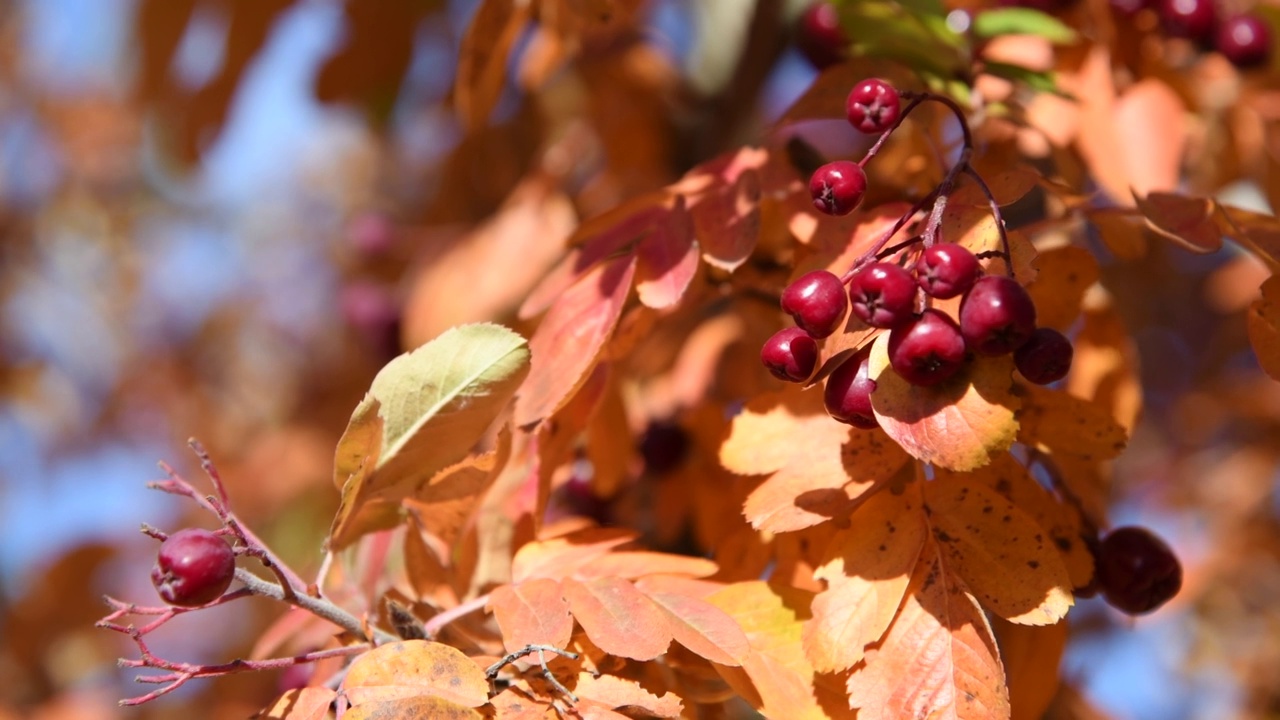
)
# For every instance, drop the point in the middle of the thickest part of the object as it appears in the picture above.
(560, 557)
(1188, 222)
(666, 259)
(413, 668)
(308, 703)
(615, 692)
(412, 708)
(1021, 21)
(703, 628)
(618, 618)
(532, 613)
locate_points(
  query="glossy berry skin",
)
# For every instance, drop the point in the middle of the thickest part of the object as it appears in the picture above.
(847, 395)
(1191, 19)
(1245, 40)
(883, 295)
(817, 301)
(872, 106)
(946, 270)
(997, 315)
(928, 349)
(1044, 358)
(1137, 571)
(820, 37)
(791, 354)
(193, 567)
(837, 187)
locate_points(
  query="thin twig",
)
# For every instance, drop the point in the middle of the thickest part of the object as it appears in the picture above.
(995, 213)
(541, 650)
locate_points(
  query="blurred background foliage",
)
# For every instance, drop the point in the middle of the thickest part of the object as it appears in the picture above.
(218, 218)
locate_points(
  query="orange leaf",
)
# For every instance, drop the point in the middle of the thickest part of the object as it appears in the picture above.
(1188, 222)
(412, 708)
(565, 346)
(442, 505)
(1064, 422)
(956, 424)
(560, 557)
(482, 58)
(1005, 558)
(618, 618)
(817, 465)
(1149, 122)
(1258, 232)
(1065, 273)
(514, 704)
(308, 703)
(867, 569)
(639, 563)
(615, 692)
(727, 221)
(1008, 183)
(1031, 656)
(667, 259)
(703, 628)
(532, 613)
(413, 668)
(1264, 327)
(1123, 231)
(938, 660)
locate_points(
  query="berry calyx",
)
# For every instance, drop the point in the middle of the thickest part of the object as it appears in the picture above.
(883, 295)
(946, 270)
(193, 567)
(821, 39)
(1137, 571)
(1045, 357)
(847, 395)
(1191, 19)
(997, 315)
(873, 106)
(791, 354)
(817, 301)
(837, 187)
(1245, 40)
(928, 349)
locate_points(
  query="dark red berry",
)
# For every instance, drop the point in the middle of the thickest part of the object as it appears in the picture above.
(1045, 6)
(946, 270)
(663, 446)
(837, 187)
(872, 106)
(821, 39)
(790, 354)
(1044, 358)
(193, 567)
(883, 295)
(997, 315)
(928, 349)
(1137, 570)
(1245, 40)
(1129, 8)
(848, 392)
(817, 300)
(1191, 19)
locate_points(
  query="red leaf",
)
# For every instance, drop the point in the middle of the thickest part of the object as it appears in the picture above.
(667, 259)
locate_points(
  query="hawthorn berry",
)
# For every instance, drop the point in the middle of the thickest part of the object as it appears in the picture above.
(193, 567)
(946, 270)
(927, 349)
(997, 315)
(837, 187)
(1137, 571)
(847, 395)
(821, 39)
(1191, 19)
(883, 295)
(1245, 40)
(817, 301)
(663, 446)
(873, 106)
(790, 354)
(1045, 357)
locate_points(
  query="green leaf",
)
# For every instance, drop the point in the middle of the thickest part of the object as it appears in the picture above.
(1021, 21)
(424, 411)
(1038, 80)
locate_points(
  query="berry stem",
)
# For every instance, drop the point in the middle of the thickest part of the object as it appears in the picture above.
(915, 101)
(873, 253)
(995, 213)
(918, 97)
(206, 464)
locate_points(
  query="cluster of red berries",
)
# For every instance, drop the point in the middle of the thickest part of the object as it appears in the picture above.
(193, 567)
(1136, 571)
(873, 106)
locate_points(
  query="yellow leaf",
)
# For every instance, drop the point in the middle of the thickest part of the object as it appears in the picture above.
(412, 708)
(414, 668)
(1061, 421)
(1066, 272)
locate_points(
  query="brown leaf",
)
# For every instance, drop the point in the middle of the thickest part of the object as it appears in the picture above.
(532, 613)
(1264, 327)
(1031, 656)
(1123, 231)
(443, 504)
(308, 703)
(1008, 183)
(1061, 421)
(618, 618)
(1065, 273)
(615, 692)
(413, 668)
(412, 708)
(727, 221)
(482, 58)
(1258, 232)
(1188, 222)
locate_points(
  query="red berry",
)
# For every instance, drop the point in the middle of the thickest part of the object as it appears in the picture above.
(790, 354)
(817, 300)
(872, 106)
(847, 395)
(946, 270)
(1191, 19)
(821, 39)
(1245, 40)
(1137, 570)
(193, 567)
(928, 349)
(663, 446)
(883, 295)
(1129, 8)
(837, 187)
(997, 315)
(1044, 358)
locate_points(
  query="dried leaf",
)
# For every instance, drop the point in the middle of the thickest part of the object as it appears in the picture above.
(957, 424)
(1061, 421)
(562, 556)
(615, 692)
(532, 613)
(412, 708)
(308, 703)
(667, 259)
(1264, 327)
(703, 628)
(414, 668)
(1188, 222)
(1258, 232)
(448, 500)
(1065, 273)
(618, 618)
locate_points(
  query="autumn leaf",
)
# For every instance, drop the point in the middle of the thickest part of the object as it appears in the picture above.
(1061, 421)
(1257, 232)
(1264, 327)
(615, 692)
(727, 221)
(447, 501)
(667, 258)
(702, 627)
(560, 557)
(866, 569)
(632, 564)
(482, 62)
(532, 613)
(937, 660)
(308, 703)
(411, 708)
(1188, 222)
(1031, 657)
(413, 668)
(957, 424)
(618, 618)
(1065, 273)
